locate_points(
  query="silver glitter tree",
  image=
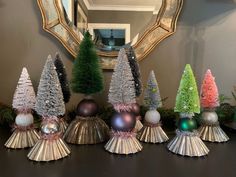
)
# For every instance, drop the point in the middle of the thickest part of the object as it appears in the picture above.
(49, 97)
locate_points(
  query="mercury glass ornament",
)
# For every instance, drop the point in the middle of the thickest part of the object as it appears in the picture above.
(136, 109)
(210, 117)
(50, 127)
(87, 108)
(152, 116)
(124, 121)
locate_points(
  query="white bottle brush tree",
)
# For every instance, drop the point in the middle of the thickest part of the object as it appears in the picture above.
(24, 100)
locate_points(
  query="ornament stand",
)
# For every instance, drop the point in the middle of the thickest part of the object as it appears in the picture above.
(152, 133)
(123, 143)
(188, 144)
(210, 129)
(86, 130)
(138, 124)
(22, 137)
(63, 125)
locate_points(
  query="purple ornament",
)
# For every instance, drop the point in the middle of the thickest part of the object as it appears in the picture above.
(87, 108)
(124, 121)
(136, 109)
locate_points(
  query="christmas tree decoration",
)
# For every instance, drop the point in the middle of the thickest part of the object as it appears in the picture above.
(24, 134)
(61, 73)
(136, 110)
(187, 141)
(122, 97)
(152, 131)
(87, 79)
(50, 105)
(210, 129)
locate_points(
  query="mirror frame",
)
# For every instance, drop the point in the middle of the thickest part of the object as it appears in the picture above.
(163, 27)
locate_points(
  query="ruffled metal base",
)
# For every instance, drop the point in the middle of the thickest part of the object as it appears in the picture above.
(152, 134)
(22, 139)
(89, 130)
(63, 125)
(212, 133)
(188, 144)
(138, 126)
(48, 150)
(123, 143)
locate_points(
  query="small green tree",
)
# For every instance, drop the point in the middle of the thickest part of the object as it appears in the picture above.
(187, 99)
(87, 75)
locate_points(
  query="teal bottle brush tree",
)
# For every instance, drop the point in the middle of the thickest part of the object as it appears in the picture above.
(50, 106)
(187, 141)
(87, 79)
(152, 131)
(122, 97)
(210, 129)
(61, 72)
(137, 84)
(24, 134)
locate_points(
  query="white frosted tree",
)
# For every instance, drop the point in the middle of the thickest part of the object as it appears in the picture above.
(152, 97)
(122, 89)
(24, 96)
(49, 100)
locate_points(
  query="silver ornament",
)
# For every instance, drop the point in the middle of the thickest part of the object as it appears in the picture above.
(50, 128)
(210, 117)
(152, 116)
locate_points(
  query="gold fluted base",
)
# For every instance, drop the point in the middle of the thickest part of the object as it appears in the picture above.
(138, 126)
(123, 144)
(83, 130)
(22, 139)
(188, 144)
(63, 125)
(212, 133)
(48, 150)
(153, 134)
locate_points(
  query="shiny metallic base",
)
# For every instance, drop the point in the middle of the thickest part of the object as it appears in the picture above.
(152, 134)
(63, 125)
(212, 133)
(123, 145)
(138, 126)
(86, 131)
(188, 144)
(48, 150)
(22, 139)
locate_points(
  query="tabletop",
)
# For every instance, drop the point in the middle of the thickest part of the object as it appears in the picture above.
(93, 161)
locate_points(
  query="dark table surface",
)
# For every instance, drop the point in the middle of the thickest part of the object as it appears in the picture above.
(93, 161)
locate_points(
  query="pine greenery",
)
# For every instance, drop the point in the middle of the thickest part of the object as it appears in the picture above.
(87, 75)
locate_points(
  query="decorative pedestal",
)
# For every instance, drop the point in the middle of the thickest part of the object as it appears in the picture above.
(212, 133)
(86, 130)
(123, 143)
(22, 138)
(48, 149)
(152, 133)
(188, 144)
(63, 125)
(138, 126)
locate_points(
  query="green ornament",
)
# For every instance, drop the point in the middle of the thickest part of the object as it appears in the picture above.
(187, 124)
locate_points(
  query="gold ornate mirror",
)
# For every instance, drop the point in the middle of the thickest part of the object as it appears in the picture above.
(113, 24)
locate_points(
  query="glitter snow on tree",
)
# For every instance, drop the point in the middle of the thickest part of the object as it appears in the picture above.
(187, 141)
(50, 105)
(122, 97)
(24, 134)
(152, 131)
(210, 129)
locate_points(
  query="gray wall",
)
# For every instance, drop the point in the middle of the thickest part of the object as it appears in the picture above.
(205, 38)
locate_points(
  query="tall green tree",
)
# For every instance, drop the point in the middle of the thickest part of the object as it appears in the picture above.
(187, 99)
(87, 75)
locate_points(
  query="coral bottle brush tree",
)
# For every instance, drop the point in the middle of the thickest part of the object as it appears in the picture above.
(210, 129)
(87, 79)
(187, 142)
(152, 131)
(24, 134)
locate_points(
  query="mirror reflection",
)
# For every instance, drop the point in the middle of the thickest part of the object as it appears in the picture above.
(113, 24)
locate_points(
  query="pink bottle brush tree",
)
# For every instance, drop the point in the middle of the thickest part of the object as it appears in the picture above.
(209, 92)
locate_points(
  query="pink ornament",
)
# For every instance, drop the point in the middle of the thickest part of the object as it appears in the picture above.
(209, 92)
